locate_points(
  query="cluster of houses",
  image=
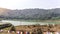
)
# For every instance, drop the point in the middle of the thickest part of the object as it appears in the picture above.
(33, 29)
(44, 29)
(41, 29)
(38, 29)
(51, 29)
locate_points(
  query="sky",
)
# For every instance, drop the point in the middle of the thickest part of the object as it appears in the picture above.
(26, 4)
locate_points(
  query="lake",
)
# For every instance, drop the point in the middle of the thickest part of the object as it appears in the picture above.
(16, 23)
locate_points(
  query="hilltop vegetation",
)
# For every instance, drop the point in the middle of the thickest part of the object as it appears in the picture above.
(30, 14)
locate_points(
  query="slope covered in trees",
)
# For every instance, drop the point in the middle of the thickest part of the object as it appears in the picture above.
(30, 14)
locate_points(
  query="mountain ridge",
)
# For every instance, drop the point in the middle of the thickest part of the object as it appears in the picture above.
(30, 13)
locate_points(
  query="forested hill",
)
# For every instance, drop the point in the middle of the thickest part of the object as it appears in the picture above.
(30, 13)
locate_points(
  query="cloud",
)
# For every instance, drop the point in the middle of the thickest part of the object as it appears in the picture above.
(21, 4)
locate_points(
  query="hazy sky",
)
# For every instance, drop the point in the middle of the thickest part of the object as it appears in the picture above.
(21, 4)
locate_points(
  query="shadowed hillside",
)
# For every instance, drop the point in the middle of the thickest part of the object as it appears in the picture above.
(40, 14)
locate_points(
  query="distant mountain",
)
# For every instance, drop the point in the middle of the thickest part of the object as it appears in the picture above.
(30, 13)
(3, 10)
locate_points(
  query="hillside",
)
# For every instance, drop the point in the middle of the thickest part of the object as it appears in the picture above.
(30, 13)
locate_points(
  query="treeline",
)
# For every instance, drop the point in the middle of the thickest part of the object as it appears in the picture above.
(30, 14)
